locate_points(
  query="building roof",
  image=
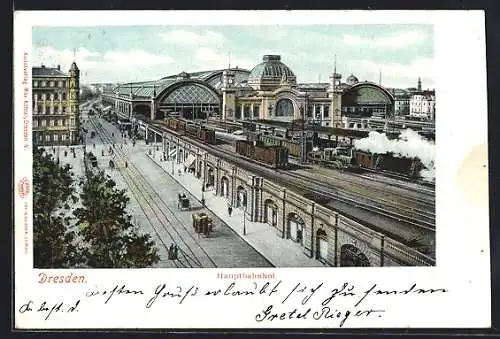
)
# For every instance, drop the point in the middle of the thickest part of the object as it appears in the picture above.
(44, 71)
(73, 67)
(213, 78)
(271, 66)
(352, 79)
(313, 86)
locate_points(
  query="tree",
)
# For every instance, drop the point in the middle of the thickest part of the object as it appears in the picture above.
(53, 242)
(113, 241)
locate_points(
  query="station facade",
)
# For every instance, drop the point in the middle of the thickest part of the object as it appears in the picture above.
(269, 91)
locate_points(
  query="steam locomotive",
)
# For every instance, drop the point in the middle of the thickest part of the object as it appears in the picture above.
(358, 160)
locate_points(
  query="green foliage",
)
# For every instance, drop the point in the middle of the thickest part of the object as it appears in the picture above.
(53, 244)
(113, 241)
(104, 236)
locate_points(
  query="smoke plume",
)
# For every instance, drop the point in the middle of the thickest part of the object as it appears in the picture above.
(409, 144)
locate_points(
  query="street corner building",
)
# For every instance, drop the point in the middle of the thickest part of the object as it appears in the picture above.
(56, 117)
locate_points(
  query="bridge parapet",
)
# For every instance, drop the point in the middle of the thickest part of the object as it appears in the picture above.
(368, 241)
(406, 255)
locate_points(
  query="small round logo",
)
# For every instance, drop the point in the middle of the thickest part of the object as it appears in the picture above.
(23, 187)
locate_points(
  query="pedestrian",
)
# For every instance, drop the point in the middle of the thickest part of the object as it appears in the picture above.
(230, 210)
(171, 252)
(126, 164)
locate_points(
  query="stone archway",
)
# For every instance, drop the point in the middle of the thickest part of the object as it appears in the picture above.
(224, 182)
(351, 256)
(199, 169)
(142, 109)
(180, 157)
(241, 197)
(284, 108)
(210, 180)
(270, 213)
(295, 228)
(322, 246)
(191, 99)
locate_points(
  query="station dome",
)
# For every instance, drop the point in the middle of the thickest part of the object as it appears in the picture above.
(352, 80)
(270, 74)
(271, 67)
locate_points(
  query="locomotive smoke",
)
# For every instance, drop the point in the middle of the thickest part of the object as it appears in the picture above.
(409, 144)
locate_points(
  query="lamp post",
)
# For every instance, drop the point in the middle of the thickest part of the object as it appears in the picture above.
(173, 160)
(244, 220)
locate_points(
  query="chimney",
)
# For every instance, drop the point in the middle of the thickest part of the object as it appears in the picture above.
(43, 66)
(58, 67)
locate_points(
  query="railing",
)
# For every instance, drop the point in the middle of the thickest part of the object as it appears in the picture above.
(407, 254)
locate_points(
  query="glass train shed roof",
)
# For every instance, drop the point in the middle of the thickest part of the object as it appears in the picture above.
(146, 89)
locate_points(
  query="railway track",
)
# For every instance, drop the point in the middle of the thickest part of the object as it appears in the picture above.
(430, 193)
(413, 209)
(303, 184)
(159, 214)
(424, 221)
(407, 205)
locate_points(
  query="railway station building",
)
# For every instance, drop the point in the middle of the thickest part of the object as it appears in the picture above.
(269, 91)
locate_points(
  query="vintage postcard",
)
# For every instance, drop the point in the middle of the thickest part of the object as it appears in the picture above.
(250, 169)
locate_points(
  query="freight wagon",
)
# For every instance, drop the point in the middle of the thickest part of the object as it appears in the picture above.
(387, 162)
(271, 156)
(293, 146)
(196, 132)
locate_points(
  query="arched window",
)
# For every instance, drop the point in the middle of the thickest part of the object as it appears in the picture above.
(284, 108)
(225, 187)
(192, 93)
(270, 213)
(295, 229)
(321, 246)
(351, 256)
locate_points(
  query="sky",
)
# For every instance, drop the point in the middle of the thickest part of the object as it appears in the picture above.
(401, 53)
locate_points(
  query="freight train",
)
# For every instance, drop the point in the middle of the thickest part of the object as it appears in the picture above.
(357, 160)
(293, 146)
(270, 156)
(408, 167)
(197, 132)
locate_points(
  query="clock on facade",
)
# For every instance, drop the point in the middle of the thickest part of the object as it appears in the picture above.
(337, 82)
(230, 81)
